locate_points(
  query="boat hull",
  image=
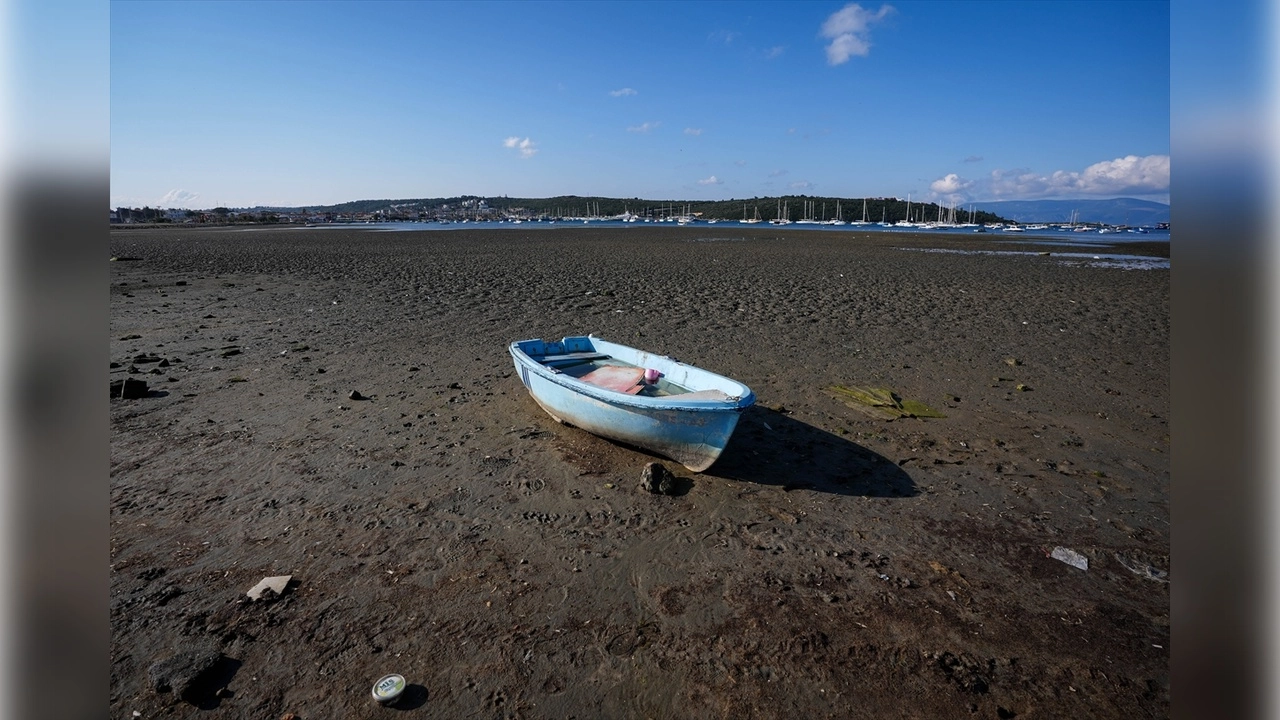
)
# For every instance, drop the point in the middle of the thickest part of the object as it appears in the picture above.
(692, 431)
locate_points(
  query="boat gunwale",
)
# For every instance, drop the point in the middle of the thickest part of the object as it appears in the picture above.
(638, 402)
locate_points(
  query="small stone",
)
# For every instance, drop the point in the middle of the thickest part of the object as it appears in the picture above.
(182, 671)
(128, 389)
(355, 395)
(668, 485)
(1022, 388)
(656, 478)
(1012, 362)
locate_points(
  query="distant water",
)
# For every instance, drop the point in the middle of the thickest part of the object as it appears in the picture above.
(1102, 260)
(1058, 237)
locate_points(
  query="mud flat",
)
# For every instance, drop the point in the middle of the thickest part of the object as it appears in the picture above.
(831, 564)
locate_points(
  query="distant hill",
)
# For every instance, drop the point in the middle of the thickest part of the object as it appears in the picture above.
(1118, 211)
(794, 207)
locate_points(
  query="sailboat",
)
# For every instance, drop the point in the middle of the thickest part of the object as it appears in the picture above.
(839, 218)
(863, 221)
(808, 218)
(751, 221)
(780, 220)
(906, 222)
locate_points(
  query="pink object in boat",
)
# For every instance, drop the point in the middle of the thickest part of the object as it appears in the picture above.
(651, 375)
(619, 379)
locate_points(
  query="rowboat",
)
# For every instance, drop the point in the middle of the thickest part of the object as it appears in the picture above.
(650, 401)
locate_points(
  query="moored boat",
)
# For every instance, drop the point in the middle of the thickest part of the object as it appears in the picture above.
(636, 397)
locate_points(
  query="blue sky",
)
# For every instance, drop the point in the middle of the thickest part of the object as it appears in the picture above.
(310, 103)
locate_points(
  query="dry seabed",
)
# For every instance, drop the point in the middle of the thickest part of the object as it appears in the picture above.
(441, 526)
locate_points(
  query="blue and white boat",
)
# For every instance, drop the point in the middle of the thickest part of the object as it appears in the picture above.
(635, 397)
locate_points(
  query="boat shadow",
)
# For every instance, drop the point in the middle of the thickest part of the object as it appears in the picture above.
(770, 448)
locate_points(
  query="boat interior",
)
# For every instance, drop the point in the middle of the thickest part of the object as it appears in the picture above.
(610, 373)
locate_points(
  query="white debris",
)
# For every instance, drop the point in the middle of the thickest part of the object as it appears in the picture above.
(276, 584)
(1070, 557)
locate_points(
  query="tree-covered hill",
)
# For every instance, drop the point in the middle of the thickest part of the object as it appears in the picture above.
(793, 207)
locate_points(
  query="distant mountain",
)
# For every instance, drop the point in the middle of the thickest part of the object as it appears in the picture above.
(1119, 211)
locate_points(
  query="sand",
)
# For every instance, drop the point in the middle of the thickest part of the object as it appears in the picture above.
(831, 564)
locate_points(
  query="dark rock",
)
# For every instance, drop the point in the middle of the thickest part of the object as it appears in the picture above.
(128, 389)
(668, 484)
(355, 395)
(182, 673)
(656, 478)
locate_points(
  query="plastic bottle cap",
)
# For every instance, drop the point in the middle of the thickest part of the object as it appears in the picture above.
(388, 689)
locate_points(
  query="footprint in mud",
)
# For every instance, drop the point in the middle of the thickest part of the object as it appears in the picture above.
(627, 642)
(553, 685)
(451, 553)
(497, 699)
(529, 486)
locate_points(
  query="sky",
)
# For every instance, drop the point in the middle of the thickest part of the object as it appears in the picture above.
(242, 104)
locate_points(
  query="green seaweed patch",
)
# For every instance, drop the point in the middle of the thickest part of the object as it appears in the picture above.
(883, 403)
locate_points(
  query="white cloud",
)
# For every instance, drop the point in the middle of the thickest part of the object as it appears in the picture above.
(525, 146)
(801, 185)
(177, 199)
(713, 180)
(646, 127)
(693, 131)
(849, 32)
(951, 189)
(777, 173)
(973, 159)
(622, 92)
(773, 52)
(950, 184)
(1129, 175)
